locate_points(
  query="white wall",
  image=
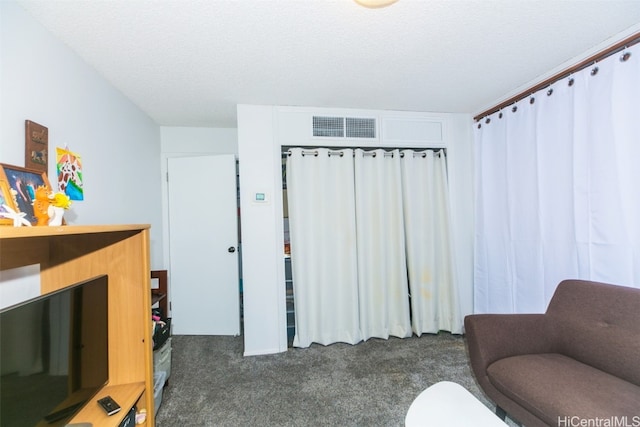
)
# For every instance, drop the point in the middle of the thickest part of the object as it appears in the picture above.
(262, 232)
(42, 80)
(193, 141)
(262, 131)
(461, 184)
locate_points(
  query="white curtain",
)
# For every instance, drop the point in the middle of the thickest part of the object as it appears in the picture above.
(434, 297)
(557, 189)
(382, 267)
(357, 243)
(322, 227)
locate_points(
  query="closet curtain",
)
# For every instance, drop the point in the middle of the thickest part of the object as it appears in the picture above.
(557, 189)
(382, 272)
(434, 297)
(354, 257)
(322, 230)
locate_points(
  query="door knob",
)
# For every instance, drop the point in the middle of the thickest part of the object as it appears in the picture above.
(231, 249)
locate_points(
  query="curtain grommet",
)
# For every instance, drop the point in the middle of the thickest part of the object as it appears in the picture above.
(594, 71)
(625, 56)
(571, 81)
(514, 109)
(549, 92)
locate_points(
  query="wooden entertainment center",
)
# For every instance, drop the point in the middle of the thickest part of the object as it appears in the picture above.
(70, 254)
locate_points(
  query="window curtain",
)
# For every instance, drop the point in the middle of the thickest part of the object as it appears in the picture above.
(556, 188)
(351, 226)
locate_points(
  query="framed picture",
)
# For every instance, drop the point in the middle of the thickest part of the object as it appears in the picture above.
(24, 182)
(6, 199)
(36, 146)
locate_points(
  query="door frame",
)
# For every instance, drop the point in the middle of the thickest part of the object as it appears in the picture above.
(166, 249)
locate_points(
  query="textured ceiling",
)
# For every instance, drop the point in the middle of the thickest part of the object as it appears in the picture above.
(190, 62)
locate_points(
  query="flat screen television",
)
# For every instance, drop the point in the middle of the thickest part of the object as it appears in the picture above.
(53, 354)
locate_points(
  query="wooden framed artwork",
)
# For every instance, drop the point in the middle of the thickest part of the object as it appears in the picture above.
(6, 199)
(24, 182)
(36, 146)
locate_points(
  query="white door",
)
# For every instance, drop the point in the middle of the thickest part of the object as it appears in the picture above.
(203, 240)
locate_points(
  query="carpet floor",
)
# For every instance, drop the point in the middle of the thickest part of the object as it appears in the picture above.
(369, 384)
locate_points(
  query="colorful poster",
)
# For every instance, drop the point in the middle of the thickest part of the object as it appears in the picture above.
(69, 170)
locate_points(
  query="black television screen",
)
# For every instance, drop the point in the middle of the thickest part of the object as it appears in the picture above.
(53, 354)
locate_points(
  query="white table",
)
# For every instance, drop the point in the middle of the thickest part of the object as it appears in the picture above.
(449, 404)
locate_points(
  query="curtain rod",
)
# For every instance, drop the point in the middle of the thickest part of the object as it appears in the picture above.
(364, 153)
(285, 148)
(615, 48)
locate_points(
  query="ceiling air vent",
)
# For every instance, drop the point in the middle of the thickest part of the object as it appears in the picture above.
(328, 126)
(360, 128)
(344, 127)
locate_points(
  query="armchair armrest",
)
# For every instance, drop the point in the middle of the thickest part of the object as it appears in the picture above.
(492, 337)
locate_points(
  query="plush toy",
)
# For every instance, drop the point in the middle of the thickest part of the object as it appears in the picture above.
(41, 205)
(60, 200)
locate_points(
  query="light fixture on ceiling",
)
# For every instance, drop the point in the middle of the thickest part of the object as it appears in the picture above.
(375, 4)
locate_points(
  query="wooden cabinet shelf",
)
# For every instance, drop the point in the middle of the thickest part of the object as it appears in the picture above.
(120, 393)
(70, 254)
(159, 295)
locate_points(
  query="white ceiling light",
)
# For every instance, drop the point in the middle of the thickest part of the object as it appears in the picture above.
(374, 4)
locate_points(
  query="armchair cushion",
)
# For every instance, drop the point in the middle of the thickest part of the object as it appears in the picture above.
(553, 386)
(598, 324)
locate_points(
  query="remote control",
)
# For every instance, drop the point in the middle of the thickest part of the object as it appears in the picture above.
(109, 405)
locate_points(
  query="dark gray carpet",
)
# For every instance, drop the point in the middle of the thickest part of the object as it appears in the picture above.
(369, 384)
